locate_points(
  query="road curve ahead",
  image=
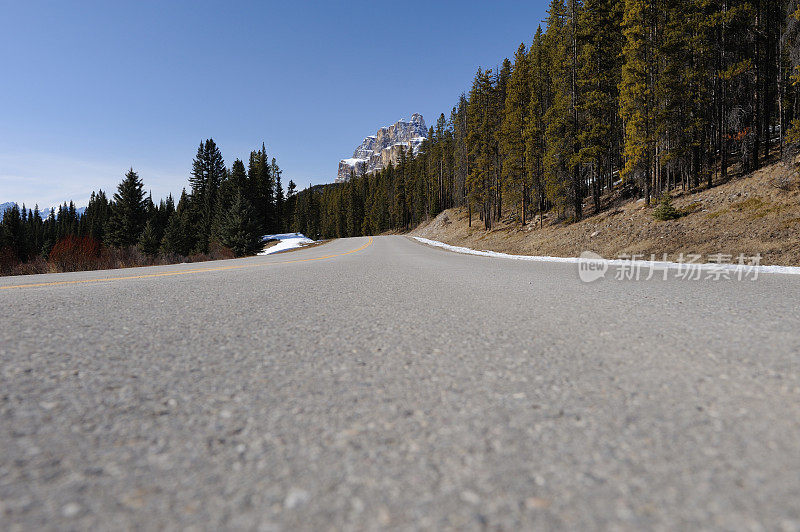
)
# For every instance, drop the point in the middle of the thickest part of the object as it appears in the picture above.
(382, 383)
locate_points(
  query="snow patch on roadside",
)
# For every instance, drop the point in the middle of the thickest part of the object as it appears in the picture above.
(786, 270)
(285, 241)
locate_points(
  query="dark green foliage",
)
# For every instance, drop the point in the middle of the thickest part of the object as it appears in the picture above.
(665, 210)
(239, 230)
(150, 241)
(208, 174)
(177, 239)
(128, 212)
(280, 199)
(229, 207)
(13, 235)
(95, 219)
(179, 234)
(512, 137)
(262, 189)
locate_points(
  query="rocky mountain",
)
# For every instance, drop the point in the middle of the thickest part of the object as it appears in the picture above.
(377, 151)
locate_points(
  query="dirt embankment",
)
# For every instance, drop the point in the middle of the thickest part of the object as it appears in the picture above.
(755, 214)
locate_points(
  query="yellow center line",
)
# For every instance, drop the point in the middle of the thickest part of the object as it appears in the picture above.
(187, 272)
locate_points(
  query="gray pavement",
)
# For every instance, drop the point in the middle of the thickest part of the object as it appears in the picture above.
(394, 385)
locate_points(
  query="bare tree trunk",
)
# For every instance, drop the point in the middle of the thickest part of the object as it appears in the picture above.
(723, 113)
(780, 91)
(596, 185)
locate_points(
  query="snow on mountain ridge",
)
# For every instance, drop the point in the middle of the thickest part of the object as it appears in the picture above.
(376, 151)
(43, 212)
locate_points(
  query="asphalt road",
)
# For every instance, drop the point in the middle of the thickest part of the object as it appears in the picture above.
(360, 385)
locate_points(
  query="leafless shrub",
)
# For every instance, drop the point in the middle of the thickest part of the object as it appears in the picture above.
(75, 253)
(35, 266)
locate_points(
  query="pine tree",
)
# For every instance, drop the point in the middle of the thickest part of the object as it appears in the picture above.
(14, 233)
(498, 102)
(460, 150)
(208, 173)
(701, 90)
(95, 219)
(400, 211)
(176, 240)
(790, 46)
(440, 147)
(535, 123)
(150, 241)
(598, 80)
(512, 138)
(263, 189)
(238, 179)
(128, 213)
(239, 229)
(291, 202)
(179, 235)
(480, 141)
(636, 92)
(279, 196)
(559, 131)
(36, 231)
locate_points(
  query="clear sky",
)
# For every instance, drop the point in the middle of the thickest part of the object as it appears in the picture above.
(90, 89)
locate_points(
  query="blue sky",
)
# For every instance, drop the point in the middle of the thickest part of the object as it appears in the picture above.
(92, 88)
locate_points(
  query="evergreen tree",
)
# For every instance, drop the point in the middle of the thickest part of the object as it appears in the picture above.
(535, 123)
(14, 233)
(512, 139)
(558, 140)
(498, 102)
(562, 163)
(789, 45)
(239, 229)
(263, 189)
(150, 241)
(599, 75)
(208, 173)
(128, 213)
(279, 196)
(636, 91)
(96, 217)
(480, 141)
(460, 150)
(179, 237)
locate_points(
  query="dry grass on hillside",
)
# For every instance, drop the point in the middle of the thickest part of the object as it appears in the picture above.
(757, 213)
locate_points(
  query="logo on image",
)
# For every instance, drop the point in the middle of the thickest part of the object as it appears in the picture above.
(591, 267)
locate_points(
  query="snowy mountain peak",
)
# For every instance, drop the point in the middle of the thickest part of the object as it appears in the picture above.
(376, 151)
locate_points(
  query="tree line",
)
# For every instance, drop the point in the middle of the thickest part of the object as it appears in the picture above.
(628, 98)
(614, 99)
(226, 212)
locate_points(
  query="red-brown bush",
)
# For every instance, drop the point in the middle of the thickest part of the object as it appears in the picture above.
(75, 253)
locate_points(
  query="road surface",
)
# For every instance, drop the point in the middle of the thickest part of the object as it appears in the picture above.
(382, 383)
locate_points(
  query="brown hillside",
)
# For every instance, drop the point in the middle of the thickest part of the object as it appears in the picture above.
(757, 213)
